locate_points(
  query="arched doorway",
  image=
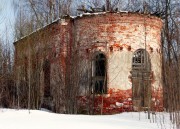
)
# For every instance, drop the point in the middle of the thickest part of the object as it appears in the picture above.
(99, 74)
(141, 84)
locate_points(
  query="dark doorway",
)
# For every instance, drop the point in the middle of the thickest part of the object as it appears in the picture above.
(100, 81)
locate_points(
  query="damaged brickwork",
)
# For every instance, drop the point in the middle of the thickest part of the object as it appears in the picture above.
(91, 63)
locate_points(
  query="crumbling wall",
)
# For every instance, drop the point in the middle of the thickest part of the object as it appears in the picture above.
(31, 52)
(70, 46)
(118, 36)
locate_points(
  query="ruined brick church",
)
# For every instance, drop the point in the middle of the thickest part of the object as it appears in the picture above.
(94, 63)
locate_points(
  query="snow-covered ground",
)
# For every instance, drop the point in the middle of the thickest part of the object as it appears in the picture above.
(21, 119)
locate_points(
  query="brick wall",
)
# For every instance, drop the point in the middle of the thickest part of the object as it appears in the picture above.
(118, 36)
(70, 47)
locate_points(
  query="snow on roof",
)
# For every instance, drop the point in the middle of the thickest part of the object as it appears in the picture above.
(56, 20)
(66, 16)
(71, 17)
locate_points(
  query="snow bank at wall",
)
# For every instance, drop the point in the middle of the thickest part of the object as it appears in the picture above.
(14, 119)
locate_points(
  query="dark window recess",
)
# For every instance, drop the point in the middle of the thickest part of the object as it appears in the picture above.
(100, 74)
(100, 65)
(46, 78)
(99, 89)
(26, 68)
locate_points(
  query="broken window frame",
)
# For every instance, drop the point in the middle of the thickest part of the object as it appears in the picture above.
(139, 60)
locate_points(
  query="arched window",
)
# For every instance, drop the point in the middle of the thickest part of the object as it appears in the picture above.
(99, 74)
(139, 59)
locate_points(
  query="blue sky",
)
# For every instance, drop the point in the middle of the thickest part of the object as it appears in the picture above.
(7, 19)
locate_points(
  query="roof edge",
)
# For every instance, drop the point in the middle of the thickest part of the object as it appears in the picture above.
(81, 16)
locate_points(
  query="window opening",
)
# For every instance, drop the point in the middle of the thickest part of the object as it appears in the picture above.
(46, 78)
(100, 74)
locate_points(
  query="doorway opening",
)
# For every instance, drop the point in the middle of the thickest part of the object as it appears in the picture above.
(141, 82)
